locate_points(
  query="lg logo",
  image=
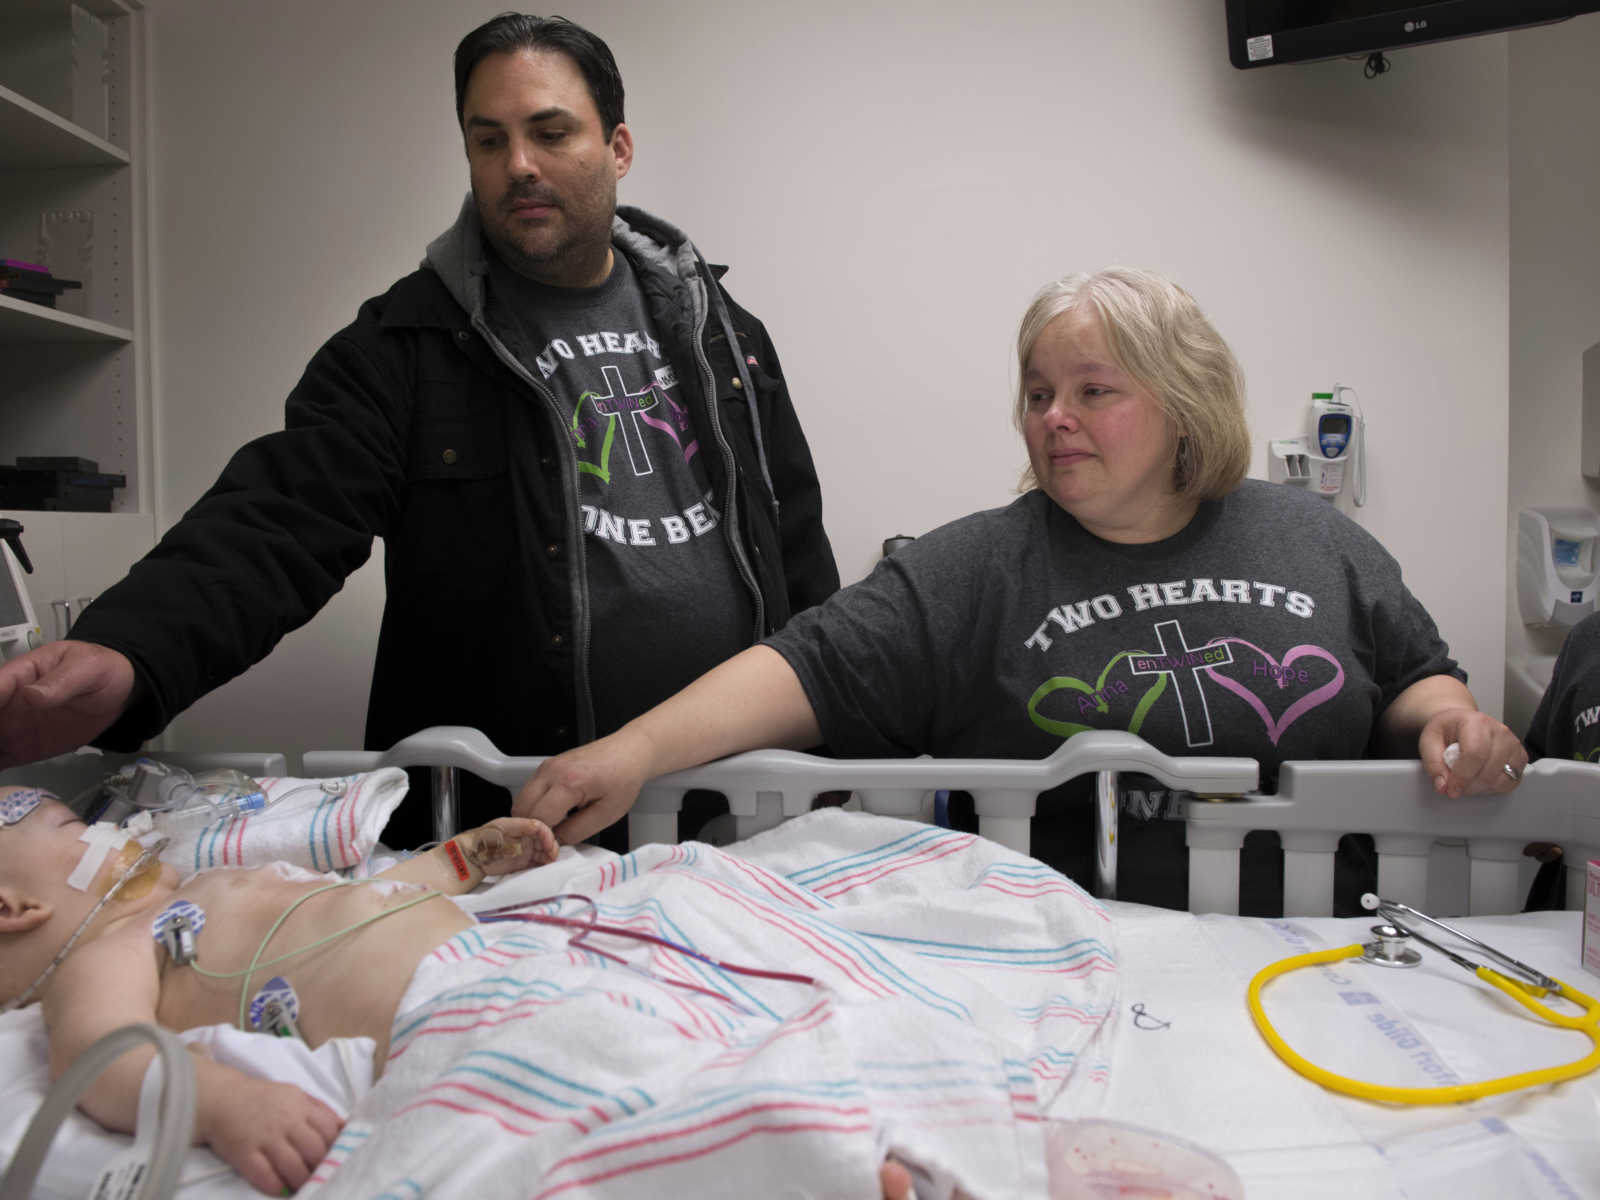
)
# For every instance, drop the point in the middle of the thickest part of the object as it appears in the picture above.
(1415, 26)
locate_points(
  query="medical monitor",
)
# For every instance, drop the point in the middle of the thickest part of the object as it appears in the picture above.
(1264, 32)
(19, 631)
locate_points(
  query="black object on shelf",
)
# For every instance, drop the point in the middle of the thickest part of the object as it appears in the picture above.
(55, 490)
(58, 462)
(25, 281)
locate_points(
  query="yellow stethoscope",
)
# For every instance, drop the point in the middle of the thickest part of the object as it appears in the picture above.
(1391, 949)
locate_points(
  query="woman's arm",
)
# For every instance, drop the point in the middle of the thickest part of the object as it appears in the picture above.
(751, 701)
(1434, 713)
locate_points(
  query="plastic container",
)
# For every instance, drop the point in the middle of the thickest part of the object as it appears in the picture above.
(1099, 1159)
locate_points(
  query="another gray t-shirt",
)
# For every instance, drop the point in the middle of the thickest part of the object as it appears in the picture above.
(665, 598)
(1272, 627)
(1567, 724)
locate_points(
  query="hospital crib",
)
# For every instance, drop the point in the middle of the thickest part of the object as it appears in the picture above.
(1315, 804)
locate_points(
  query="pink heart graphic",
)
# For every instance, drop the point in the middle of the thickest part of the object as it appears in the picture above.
(1301, 706)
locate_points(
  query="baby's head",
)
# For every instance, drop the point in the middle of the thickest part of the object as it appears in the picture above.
(53, 870)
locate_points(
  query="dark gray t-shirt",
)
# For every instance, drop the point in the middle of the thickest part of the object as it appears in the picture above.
(1567, 724)
(1272, 626)
(665, 597)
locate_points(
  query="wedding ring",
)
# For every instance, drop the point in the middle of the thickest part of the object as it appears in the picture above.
(1511, 772)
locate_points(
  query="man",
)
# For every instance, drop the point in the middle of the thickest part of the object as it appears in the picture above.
(578, 450)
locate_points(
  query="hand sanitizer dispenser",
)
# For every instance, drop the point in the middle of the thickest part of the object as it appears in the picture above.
(1558, 574)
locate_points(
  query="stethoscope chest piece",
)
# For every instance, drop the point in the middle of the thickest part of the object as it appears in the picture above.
(1392, 949)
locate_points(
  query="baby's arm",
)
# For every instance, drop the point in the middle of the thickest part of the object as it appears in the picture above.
(273, 1134)
(504, 845)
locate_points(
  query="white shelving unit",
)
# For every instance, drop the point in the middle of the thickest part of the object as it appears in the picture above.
(74, 380)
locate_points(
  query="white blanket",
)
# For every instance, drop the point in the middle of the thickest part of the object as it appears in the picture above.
(963, 993)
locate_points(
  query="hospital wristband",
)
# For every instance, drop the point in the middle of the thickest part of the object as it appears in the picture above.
(458, 861)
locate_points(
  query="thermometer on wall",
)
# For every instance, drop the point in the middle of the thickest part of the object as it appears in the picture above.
(1335, 440)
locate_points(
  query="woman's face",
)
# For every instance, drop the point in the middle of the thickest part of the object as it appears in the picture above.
(1100, 444)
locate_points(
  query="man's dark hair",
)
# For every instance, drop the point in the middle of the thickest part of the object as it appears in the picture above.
(510, 32)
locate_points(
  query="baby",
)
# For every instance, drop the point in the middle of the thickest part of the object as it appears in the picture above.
(346, 950)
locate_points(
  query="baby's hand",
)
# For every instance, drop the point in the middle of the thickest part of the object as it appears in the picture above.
(508, 844)
(273, 1134)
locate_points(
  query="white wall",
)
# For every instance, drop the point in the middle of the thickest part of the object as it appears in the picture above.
(890, 181)
(1555, 281)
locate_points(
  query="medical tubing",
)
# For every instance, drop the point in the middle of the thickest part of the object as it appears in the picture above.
(621, 931)
(175, 1127)
(512, 912)
(1448, 1094)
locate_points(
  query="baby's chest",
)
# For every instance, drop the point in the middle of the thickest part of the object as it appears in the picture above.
(220, 928)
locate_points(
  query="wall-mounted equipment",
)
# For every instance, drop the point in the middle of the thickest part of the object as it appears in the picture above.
(1558, 567)
(19, 628)
(1264, 32)
(1334, 440)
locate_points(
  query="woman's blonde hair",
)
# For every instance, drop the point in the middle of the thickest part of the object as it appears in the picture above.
(1158, 335)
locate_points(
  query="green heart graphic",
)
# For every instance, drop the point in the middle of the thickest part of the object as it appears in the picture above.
(1066, 729)
(604, 468)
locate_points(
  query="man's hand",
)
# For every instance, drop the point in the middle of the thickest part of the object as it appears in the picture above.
(1486, 749)
(56, 698)
(273, 1134)
(583, 791)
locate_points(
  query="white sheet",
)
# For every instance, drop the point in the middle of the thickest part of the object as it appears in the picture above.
(1188, 1060)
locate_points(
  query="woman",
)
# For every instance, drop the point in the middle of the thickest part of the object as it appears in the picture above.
(1140, 583)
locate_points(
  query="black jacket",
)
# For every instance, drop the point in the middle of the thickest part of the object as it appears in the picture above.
(414, 424)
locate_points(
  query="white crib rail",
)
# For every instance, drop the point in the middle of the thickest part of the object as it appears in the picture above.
(1316, 802)
(764, 787)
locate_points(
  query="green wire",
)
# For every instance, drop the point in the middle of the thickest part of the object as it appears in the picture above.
(256, 964)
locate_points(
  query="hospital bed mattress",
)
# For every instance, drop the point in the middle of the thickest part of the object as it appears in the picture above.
(1177, 1053)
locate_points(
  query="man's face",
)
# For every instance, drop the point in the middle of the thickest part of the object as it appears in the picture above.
(543, 175)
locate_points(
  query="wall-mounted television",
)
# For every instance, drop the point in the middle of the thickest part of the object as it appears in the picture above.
(1264, 32)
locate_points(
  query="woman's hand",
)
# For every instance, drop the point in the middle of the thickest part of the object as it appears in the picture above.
(753, 699)
(583, 791)
(1438, 711)
(1489, 758)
